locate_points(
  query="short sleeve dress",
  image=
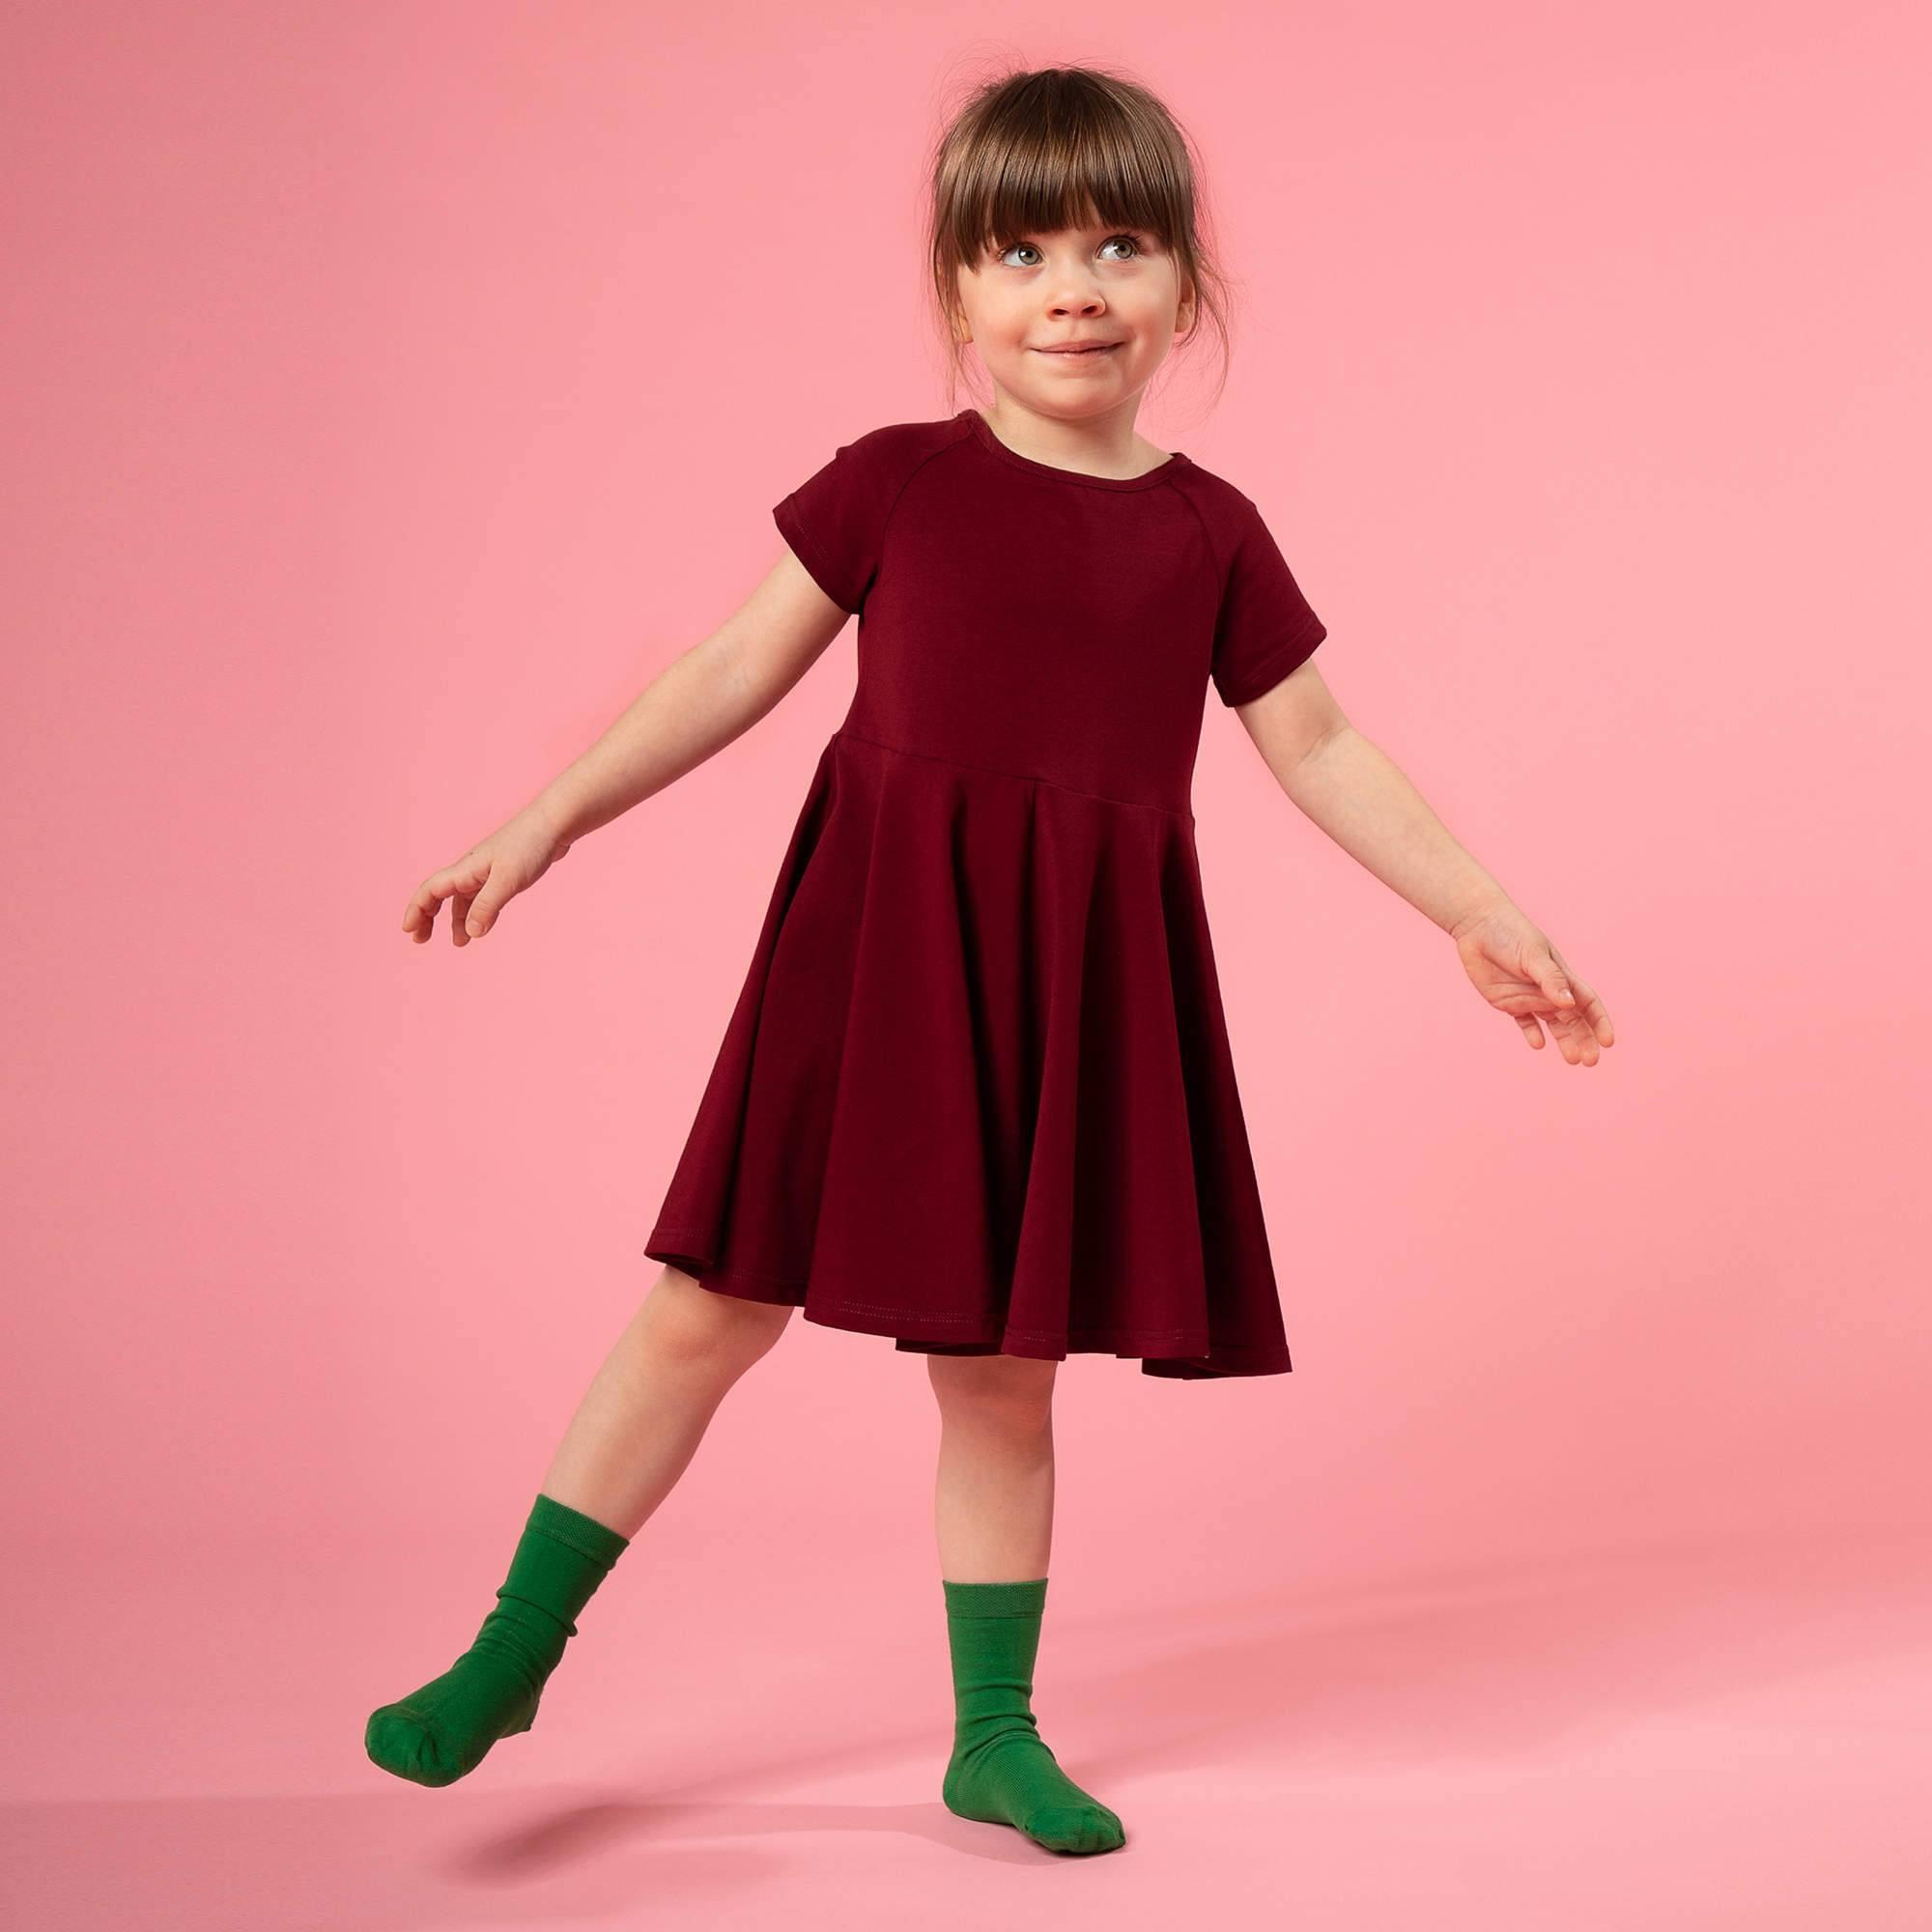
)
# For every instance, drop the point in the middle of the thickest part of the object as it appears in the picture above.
(976, 1091)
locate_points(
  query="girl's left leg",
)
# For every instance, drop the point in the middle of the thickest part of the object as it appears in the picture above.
(994, 1513)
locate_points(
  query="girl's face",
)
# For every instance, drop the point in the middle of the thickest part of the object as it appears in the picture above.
(1023, 304)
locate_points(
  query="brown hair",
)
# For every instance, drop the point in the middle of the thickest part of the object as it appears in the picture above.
(1031, 153)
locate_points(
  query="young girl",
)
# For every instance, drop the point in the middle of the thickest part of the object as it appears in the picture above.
(976, 1092)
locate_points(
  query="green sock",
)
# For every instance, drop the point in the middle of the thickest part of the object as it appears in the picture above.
(443, 1731)
(1002, 1772)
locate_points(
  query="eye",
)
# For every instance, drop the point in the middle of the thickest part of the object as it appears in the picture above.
(1137, 243)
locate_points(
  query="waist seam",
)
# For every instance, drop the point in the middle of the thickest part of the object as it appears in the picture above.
(1024, 778)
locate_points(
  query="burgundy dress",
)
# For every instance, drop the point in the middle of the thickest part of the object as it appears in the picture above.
(976, 1092)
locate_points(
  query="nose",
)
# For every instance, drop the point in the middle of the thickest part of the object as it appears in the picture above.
(1080, 301)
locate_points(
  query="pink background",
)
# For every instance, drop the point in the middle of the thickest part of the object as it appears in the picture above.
(391, 392)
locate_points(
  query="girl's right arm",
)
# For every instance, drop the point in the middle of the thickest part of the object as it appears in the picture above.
(695, 707)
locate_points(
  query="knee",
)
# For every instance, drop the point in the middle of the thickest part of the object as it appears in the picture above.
(699, 1327)
(1009, 1392)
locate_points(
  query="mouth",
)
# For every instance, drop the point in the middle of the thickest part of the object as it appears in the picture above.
(1089, 349)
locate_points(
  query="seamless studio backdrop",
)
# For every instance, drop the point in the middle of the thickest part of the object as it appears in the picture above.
(395, 390)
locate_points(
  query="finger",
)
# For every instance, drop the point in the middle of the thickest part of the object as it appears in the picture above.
(1553, 979)
(1588, 1048)
(471, 877)
(1591, 1010)
(1593, 1030)
(420, 915)
(481, 917)
(1565, 1038)
(1598, 1017)
(460, 878)
(1531, 1032)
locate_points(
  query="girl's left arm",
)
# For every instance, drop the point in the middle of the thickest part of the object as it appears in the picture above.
(1357, 794)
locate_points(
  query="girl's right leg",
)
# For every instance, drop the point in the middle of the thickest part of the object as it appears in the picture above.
(646, 1410)
(634, 1431)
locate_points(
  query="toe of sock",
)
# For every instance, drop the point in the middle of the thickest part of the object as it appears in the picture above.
(399, 1740)
(1075, 1827)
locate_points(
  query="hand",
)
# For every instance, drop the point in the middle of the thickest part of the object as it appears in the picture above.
(1522, 973)
(505, 863)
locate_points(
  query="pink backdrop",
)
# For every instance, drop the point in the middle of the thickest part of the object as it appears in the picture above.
(393, 389)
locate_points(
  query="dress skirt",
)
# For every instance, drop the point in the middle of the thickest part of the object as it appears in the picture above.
(976, 1091)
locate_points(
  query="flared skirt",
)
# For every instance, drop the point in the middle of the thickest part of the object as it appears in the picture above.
(976, 1091)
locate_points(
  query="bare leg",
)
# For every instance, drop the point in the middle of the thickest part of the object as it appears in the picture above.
(636, 1429)
(646, 1410)
(994, 1511)
(993, 1502)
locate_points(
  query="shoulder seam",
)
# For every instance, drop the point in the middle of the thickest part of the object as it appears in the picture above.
(905, 483)
(1219, 563)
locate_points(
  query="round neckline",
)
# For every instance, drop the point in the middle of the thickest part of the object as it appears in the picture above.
(983, 433)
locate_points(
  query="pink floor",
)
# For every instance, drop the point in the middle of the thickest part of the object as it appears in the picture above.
(1659, 1740)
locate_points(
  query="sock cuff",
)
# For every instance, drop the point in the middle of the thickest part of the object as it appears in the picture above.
(1023, 1598)
(584, 1534)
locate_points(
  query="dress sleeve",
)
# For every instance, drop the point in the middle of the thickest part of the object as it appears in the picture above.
(836, 519)
(1264, 626)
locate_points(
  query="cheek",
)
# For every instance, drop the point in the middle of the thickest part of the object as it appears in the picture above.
(1148, 306)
